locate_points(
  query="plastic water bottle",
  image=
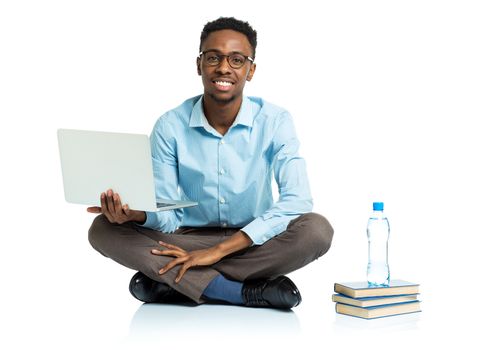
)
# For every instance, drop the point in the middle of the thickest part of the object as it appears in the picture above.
(378, 236)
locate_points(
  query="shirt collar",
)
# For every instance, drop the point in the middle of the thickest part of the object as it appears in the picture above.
(244, 117)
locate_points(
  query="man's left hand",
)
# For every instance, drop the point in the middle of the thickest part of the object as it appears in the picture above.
(202, 257)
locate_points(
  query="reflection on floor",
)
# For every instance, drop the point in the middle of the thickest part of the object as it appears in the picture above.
(155, 321)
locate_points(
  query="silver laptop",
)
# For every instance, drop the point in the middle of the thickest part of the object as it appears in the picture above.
(93, 162)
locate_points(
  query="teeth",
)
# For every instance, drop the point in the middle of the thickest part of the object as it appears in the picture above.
(223, 83)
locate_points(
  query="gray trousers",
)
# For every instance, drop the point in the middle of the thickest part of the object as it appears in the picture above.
(306, 238)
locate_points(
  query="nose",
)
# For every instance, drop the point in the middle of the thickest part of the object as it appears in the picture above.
(224, 66)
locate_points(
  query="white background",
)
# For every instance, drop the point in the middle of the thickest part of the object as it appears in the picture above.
(383, 94)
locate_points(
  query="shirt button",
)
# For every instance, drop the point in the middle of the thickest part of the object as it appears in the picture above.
(222, 141)
(222, 200)
(222, 171)
(224, 224)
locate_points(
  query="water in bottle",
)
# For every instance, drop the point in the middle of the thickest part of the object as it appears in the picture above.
(378, 236)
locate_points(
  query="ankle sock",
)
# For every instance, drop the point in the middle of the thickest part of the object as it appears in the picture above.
(224, 289)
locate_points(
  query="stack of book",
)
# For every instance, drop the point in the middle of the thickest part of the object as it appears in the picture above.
(362, 300)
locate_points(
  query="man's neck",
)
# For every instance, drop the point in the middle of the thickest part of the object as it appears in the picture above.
(221, 115)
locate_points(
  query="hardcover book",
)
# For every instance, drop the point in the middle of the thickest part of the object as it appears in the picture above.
(378, 311)
(362, 289)
(374, 301)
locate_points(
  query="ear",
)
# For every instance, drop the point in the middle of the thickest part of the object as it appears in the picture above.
(198, 65)
(251, 72)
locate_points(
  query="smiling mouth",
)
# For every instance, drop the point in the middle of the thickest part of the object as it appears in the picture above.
(222, 83)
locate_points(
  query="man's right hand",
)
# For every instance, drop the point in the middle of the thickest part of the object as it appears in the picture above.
(115, 212)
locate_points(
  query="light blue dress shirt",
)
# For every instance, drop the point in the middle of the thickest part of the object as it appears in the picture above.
(229, 176)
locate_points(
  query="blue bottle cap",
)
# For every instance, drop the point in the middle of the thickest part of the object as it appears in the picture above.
(378, 206)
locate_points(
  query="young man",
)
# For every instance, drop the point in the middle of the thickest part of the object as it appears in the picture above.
(221, 150)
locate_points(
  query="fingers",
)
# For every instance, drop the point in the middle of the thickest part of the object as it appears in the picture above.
(186, 265)
(117, 205)
(109, 202)
(172, 264)
(172, 250)
(127, 210)
(104, 208)
(111, 207)
(168, 252)
(171, 246)
(94, 210)
(182, 271)
(182, 257)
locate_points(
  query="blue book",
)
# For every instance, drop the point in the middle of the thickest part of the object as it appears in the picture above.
(374, 301)
(363, 289)
(378, 311)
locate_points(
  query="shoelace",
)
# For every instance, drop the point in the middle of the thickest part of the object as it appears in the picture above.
(254, 295)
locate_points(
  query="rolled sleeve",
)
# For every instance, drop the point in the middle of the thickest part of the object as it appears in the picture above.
(293, 185)
(165, 170)
(261, 230)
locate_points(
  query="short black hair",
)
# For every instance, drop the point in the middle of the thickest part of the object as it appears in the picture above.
(233, 24)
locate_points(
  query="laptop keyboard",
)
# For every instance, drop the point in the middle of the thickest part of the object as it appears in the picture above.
(162, 205)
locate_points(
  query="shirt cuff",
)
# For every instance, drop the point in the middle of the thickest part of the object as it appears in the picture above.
(261, 230)
(151, 220)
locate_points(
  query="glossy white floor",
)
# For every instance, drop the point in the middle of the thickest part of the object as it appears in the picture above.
(58, 292)
(384, 100)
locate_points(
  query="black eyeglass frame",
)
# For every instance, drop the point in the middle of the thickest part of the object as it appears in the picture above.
(247, 58)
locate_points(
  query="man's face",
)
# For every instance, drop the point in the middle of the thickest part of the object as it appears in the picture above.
(223, 83)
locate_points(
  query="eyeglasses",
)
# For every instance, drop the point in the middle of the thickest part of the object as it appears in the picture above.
(235, 60)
